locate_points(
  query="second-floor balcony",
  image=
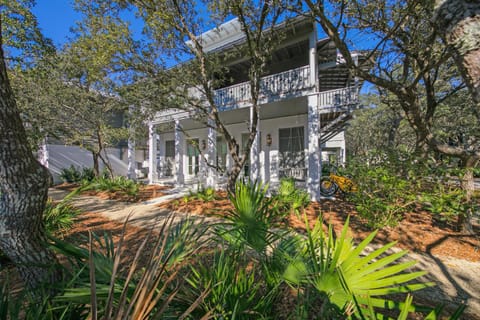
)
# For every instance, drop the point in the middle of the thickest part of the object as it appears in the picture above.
(279, 86)
(291, 82)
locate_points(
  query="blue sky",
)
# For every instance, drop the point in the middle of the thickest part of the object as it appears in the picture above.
(56, 17)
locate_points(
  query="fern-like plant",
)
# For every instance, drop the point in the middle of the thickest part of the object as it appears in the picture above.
(250, 222)
(351, 279)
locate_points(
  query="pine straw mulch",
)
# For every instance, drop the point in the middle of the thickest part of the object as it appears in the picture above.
(417, 232)
(146, 192)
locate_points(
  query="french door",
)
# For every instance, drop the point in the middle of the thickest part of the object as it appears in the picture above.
(193, 156)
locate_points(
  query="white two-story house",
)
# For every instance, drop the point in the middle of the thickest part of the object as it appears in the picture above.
(306, 98)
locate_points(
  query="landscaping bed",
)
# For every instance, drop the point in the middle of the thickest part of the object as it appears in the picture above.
(145, 192)
(417, 232)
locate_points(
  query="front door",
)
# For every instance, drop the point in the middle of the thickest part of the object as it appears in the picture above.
(193, 155)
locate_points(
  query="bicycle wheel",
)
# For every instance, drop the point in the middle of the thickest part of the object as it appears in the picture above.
(327, 187)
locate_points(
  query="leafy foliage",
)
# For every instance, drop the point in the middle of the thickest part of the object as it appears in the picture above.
(344, 274)
(444, 202)
(146, 289)
(250, 221)
(383, 196)
(117, 184)
(73, 174)
(236, 290)
(203, 194)
(59, 217)
(290, 199)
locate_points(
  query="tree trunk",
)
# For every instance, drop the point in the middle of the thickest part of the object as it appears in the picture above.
(23, 192)
(96, 165)
(232, 177)
(468, 185)
(101, 148)
(459, 23)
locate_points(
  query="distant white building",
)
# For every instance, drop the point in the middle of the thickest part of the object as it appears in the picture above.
(305, 101)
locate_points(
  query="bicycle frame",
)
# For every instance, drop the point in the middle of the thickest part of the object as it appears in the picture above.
(344, 184)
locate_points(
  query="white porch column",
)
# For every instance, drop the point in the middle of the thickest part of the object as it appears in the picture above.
(266, 164)
(179, 145)
(211, 154)
(131, 158)
(313, 180)
(152, 154)
(255, 150)
(313, 127)
(131, 145)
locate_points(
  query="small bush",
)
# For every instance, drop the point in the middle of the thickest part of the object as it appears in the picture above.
(87, 174)
(58, 217)
(289, 199)
(74, 174)
(235, 290)
(383, 195)
(445, 202)
(71, 174)
(203, 194)
(117, 184)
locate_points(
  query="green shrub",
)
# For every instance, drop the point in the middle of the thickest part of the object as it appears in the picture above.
(117, 184)
(476, 172)
(87, 174)
(71, 174)
(236, 291)
(146, 287)
(250, 222)
(59, 217)
(349, 279)
(203, 194)
(444, 202)
(74, 174)
(168, 278)
(289, 199)
(384, 192)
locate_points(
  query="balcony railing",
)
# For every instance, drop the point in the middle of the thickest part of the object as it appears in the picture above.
(339, 97)
(287, 82)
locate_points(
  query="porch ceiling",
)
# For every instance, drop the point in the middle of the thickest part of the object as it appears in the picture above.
(273, 110)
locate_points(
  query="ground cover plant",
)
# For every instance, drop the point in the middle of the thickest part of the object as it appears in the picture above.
(116, 184)
(118, 188)
(59, 215)
(289, 198)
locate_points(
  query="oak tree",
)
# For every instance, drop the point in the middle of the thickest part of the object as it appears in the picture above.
(23, 188)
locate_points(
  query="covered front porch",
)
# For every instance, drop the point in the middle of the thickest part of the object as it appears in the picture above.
(288, 144)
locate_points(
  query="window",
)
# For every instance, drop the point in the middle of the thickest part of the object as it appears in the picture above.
(292, 152)
(170, 149)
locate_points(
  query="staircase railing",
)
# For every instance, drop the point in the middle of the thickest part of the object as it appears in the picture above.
(339, 97)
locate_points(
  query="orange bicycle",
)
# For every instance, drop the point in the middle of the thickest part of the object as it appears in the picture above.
(330, 184)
